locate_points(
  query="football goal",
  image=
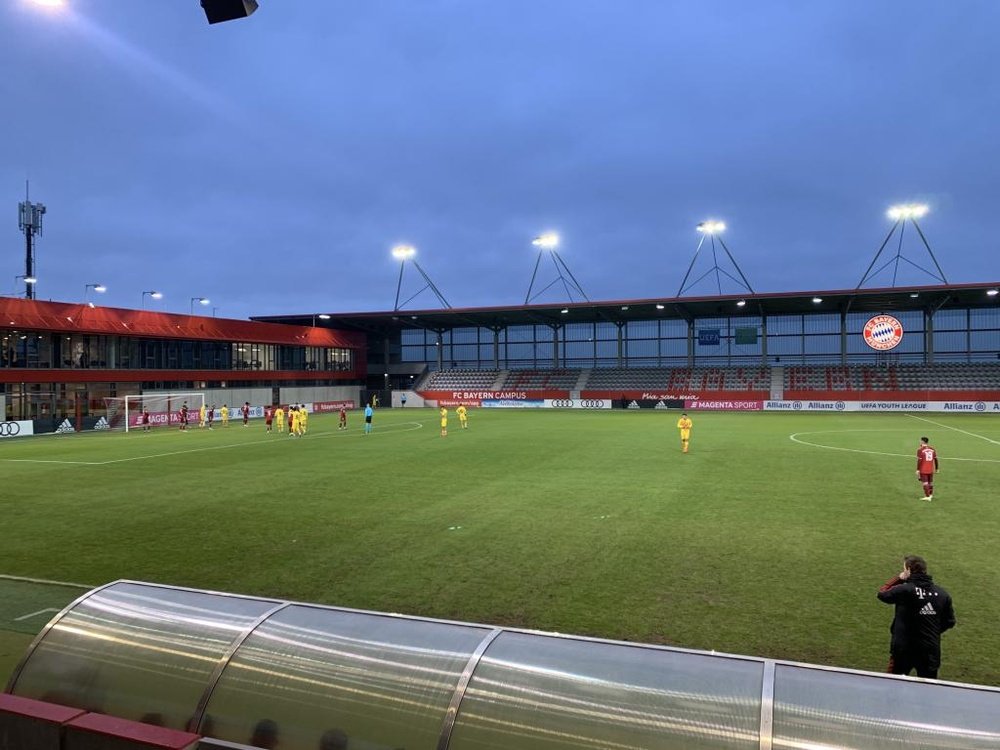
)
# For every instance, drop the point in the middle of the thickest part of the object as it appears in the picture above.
(164, 409)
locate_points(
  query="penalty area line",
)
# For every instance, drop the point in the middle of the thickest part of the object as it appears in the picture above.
(795, 438)
(315, 435)
(956, 429)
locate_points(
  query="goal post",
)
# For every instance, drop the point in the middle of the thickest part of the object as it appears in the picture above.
(125, 412)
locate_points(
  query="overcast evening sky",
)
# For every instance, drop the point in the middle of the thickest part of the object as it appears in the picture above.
(271, 163)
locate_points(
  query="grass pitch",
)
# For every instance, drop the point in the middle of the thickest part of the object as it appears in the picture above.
(769, 538)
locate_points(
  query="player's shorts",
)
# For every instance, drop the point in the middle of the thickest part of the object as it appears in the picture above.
(444, 422)
(927, 478)
(267, 422)
(368, 420)
(685, 434)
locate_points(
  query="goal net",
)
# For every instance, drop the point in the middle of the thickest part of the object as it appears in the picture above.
(164, 409)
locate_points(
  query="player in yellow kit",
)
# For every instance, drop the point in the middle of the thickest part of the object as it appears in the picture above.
(303, 418)
(224, 412)
(201, 415)
(279, 417)
(444, 422)
(463, 416)
(684, 424)
(296, 429)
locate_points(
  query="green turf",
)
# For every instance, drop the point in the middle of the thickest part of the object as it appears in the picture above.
(579, 522)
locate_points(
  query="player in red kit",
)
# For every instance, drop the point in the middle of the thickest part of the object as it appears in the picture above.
(343, 418)
(927, 465)
(245, 409)
(268, 417)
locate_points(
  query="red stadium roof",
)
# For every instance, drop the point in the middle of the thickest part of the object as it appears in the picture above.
(81, 318)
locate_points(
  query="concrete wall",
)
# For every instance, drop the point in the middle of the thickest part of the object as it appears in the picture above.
(412, 399)
(308, 394)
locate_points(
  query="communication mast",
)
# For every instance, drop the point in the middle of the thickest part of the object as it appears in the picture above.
(29, 221)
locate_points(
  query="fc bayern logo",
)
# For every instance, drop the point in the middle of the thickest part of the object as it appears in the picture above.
(883, 332)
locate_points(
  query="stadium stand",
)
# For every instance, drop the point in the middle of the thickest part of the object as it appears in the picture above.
(951, 376)
(529, 380)
(447, 380)
(680, 378)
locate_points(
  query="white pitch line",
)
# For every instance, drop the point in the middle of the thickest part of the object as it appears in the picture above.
(23, 579)
(795, 439)
(35, 614)
(50, 461)
(949, 427)
(331, 433)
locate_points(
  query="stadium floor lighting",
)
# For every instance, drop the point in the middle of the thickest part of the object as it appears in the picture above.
(711, 227)
(564, 310)
(741, 303)
(907, 211)
(660, 307)
(817, 300)
(992, 292)
(546, 241)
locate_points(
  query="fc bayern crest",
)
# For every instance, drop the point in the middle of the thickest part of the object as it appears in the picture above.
(883, 332)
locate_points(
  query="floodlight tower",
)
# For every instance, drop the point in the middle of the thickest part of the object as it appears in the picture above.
(900, 214)
(29, 221)
(548, 242)
(404, 253)
(713, 230)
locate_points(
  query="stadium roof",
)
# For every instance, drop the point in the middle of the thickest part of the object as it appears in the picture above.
(896, 299)
(62, 317)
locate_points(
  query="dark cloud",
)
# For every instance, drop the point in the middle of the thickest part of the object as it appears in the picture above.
(271, 163)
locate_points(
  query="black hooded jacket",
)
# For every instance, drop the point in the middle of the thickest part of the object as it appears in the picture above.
(923, 613)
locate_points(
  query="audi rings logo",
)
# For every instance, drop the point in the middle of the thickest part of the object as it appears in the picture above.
(584, 403)
(9, 429)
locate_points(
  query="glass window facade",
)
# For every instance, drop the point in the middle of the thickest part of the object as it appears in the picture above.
(44, 350)
(747, 340)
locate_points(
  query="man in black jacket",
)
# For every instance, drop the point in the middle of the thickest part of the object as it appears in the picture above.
(923, 613)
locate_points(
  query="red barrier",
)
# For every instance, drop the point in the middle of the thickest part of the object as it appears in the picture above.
(33, 724)
(100, 731)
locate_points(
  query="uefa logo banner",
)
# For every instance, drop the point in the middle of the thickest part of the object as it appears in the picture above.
(883, 332)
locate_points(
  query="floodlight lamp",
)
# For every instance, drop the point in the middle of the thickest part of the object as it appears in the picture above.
(204, 300)
(403, 252)
(914, 295)
(908, 211)
(156, 295)
(547, 241)
(660, 307)
(564, 310)
(30, 280)
(323, 316)
(817, 300)
(741, 303)
(992, 292)
(711, 227)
